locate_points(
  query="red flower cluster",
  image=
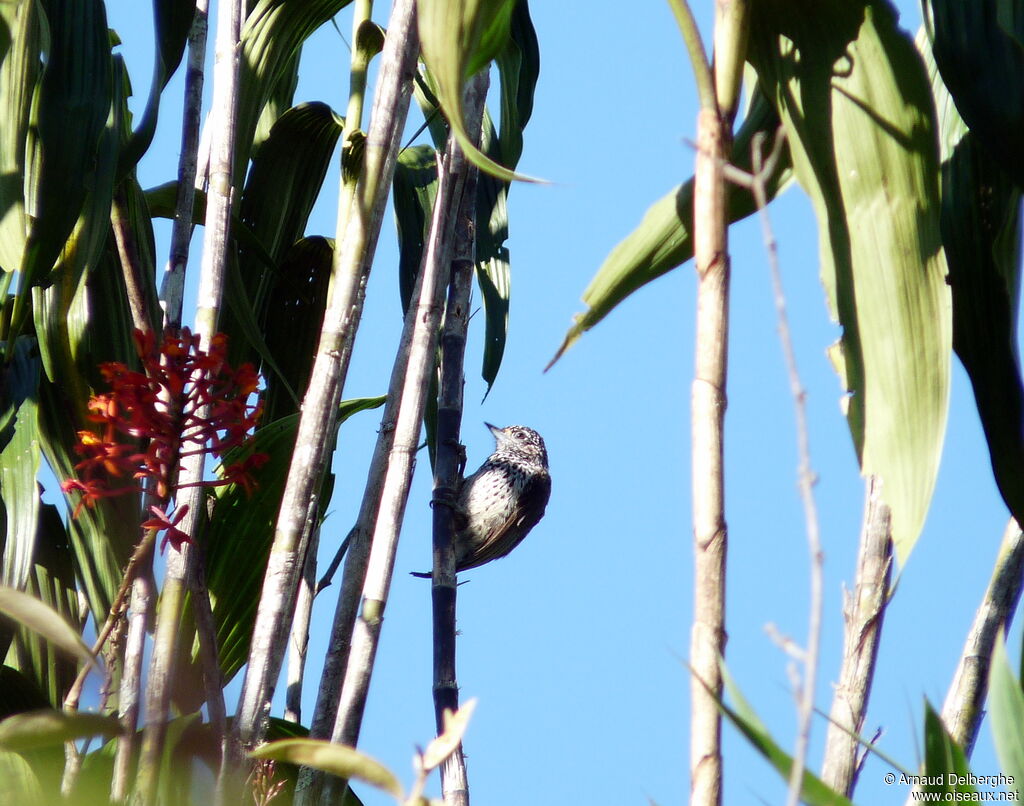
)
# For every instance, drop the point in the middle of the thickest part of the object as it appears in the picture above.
(163, 408)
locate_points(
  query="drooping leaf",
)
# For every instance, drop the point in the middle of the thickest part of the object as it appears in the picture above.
(664, 238)
(43, 619)
(293, 319)
(279, 194)
(172, 22)
(458, 38)
(854, 98)
(51, 728)
(272, 34)
(981, 236)
(978, 51)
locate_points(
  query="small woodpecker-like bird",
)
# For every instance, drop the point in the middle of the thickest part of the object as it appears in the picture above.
(501, 502)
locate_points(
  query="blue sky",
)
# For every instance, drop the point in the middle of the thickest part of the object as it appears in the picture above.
(576, 644)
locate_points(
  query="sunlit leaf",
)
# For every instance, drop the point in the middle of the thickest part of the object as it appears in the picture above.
(20, 458)
(50, 728)
(336, 759)
(43, 619)
(854, 98)
(458, 38)
(664, 238)
(454, 729)
(813, 790)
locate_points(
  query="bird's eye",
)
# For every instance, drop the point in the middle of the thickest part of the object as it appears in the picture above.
(518, 434)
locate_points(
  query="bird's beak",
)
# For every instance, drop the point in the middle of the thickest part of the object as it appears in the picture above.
(499, 433)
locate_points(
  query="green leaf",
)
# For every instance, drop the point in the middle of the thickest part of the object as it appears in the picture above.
(52, 581)
(494, 276)
(979, 54)
(293, 320)
(50, 728)
(18, 781)
(415, 188)
(20, 458)
(69, 115)
(1006, 712)
(854, 98)
(458, 38)
(272, 35)
(172, 22)
(336, 759)
(241, 531)
(981, 236)
(43, 619)
(282, 187)
(945, 764)
(19, 72)
(664, 238)
(813, 790)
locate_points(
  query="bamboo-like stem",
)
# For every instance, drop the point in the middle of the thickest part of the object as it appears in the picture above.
(298, 642)
(360, 62)
(172, 289)
(139, 623)
(449, 461)
(711, 259)
(181, 562)
(352, 262)
(863, 614)
(963, 708)
(708, 637)
(143, 586)
(394, 457)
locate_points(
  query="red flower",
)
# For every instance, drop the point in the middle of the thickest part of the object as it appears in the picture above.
(161, 521)
(185, 401)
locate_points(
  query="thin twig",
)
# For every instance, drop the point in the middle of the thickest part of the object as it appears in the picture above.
(806, 478)
(172, 290)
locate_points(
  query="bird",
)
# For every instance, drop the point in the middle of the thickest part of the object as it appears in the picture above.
(498, 505)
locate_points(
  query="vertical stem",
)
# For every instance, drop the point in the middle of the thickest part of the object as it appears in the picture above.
(454, 782)
(181, 562)
(139, 623)
(352, 262)
(362, 24)
(173, 288)
(707, 641)
(299, 641)
(863, 613)
(964, 705)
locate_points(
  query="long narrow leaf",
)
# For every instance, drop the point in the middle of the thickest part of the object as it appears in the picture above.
(854, 98)
(664, 238)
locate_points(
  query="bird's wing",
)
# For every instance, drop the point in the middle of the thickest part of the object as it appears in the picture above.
(518, 524)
